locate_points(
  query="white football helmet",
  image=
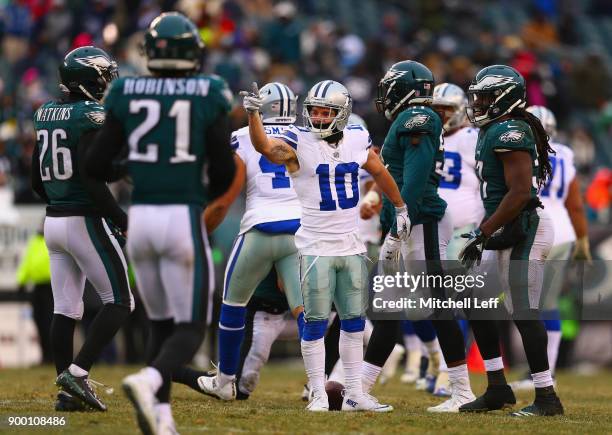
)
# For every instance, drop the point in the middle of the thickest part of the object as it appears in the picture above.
(450, 95)
(279, 104)
(329, 94)
(546, 117)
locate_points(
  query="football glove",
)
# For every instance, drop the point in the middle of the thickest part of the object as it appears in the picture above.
(390, 250)
(582, 250)
(472, 250)
(252, 101)
(403, 222)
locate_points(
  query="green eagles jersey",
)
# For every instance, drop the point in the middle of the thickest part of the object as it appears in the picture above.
(415, 167)
(59, 127)
(510, 135)
(165, 120)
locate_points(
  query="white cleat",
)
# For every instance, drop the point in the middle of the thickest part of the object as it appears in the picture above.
(318, 404)
(307, 393)
(365, 402)
(142, 395)
(210, 386)
(166, 426)
(452, 405)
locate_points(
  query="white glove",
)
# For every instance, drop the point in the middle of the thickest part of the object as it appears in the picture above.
(252, 101)
(390, 250)
(403, 223)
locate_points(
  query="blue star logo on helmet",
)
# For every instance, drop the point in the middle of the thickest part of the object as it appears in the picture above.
(512, 136)
(491, 81)
(416, 121)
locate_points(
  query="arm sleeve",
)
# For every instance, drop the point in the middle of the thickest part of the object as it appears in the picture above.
(106, 145)
(104, 200)
(418, 163)
(219, 154)
(37, 184)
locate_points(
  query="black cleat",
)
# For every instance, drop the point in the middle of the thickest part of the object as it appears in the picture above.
(494, 398)
(66, 403)
(546, 406)
(240, 395)
(79, 388)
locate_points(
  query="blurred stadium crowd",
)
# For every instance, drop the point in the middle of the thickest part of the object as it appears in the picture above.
(562, 47)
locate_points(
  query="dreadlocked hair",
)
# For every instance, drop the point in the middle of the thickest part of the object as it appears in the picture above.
(542, 146)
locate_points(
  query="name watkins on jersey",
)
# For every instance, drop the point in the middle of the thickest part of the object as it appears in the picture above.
(49, 114)
(166, 86)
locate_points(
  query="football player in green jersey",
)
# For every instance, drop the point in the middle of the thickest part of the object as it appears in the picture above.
(176, 124)
(512, 164)
(414, 155)
(84, 225)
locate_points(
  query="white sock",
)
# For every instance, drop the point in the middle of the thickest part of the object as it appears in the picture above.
(164, 411)
(494, 364)
(75, 370)
(554, 341)
(432, 346)
(369, 375)
(154, 377)
(313, 352)
(351, 354)
(223, 379)
(412, 343)
(337, 373)
(542, 379)
(459, 379)
(443, 367)
(367, 332)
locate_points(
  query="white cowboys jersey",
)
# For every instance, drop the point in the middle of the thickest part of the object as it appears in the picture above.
(327, 185)
(270, 196)
(554, 194)
(459, 186)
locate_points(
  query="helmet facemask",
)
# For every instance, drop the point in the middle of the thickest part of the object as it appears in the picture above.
(327, 119)
(484, 106)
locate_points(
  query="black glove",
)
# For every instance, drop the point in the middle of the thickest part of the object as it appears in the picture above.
(472, 250)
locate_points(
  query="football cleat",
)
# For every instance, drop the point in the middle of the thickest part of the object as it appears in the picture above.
(165, 425)
(442, 388)
(142, 395)
(494, 398)
(365, 402)
(547, 406)
(80, 388)
(66, 403)
(413, 363)
(210, 386)
(453, 404)
(318, 403)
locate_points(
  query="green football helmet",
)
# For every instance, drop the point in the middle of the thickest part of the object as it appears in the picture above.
(407, 82)
(87, 71)
(173, 43)
(495, 91)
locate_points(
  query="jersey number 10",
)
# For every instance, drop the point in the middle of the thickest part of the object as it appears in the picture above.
(181, 111)
(327, 201)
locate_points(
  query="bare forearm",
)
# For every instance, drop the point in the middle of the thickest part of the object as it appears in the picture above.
(214, 215)
(575, 209)
(258, 135)
(384, 181)
(509, 208)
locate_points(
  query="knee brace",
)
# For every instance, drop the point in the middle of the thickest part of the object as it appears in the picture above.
(314, 330)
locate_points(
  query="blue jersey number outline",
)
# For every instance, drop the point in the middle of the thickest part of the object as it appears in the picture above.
(281, 179)
(454, 169)
(554, 163)
(327, 201)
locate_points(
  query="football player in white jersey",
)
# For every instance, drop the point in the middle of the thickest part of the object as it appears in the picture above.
(265, 239)
(563, 202)
(323, 160)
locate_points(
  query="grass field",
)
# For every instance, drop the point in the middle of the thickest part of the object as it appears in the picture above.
(277, 408)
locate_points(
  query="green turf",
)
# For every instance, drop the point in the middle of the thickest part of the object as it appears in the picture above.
(276, 408)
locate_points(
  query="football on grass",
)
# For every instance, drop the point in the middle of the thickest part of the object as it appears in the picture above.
(335, 395)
